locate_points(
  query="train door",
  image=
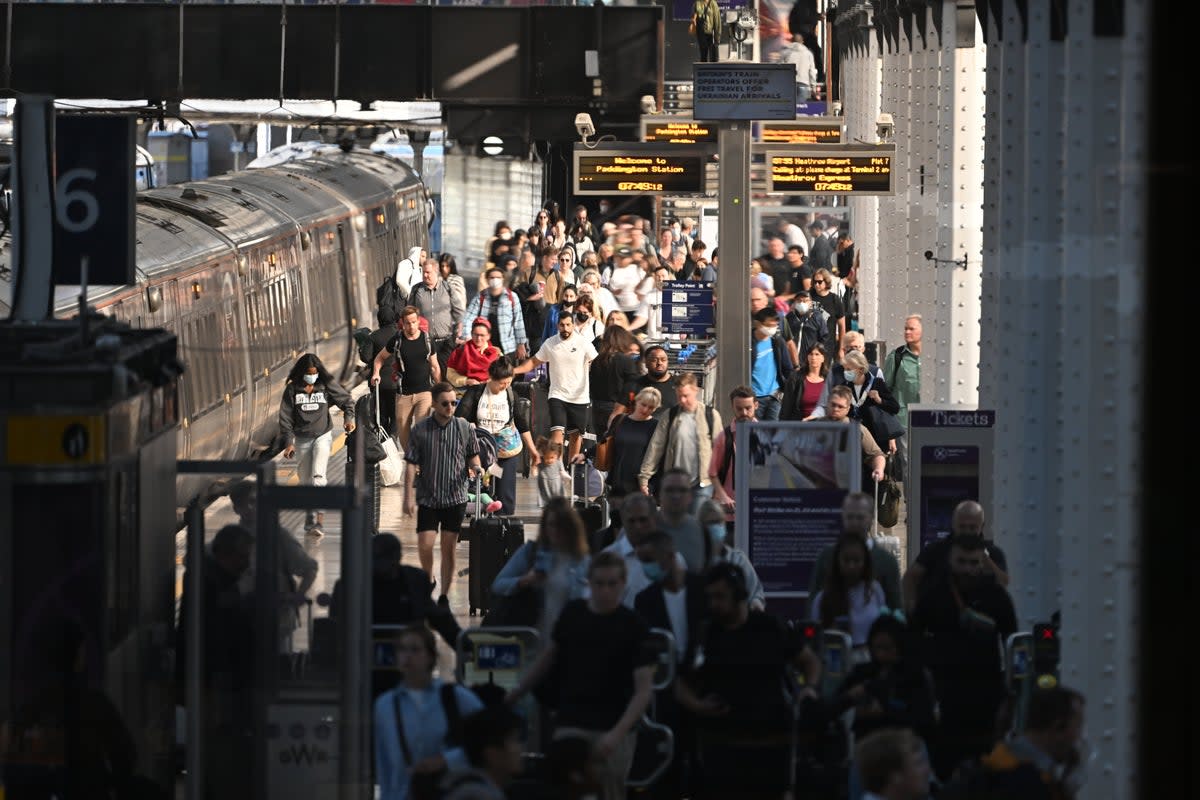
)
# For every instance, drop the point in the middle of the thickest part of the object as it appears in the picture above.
(232, 364)
(172, 322)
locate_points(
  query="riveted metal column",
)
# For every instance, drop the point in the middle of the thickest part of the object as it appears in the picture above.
(922, 199)
(961, 99)
(1103, 305)
(893, 211)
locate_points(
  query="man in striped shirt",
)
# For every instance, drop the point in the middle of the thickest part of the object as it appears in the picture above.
(443, 450)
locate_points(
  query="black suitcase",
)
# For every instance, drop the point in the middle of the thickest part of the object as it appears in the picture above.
(594, 511)
(491, 542)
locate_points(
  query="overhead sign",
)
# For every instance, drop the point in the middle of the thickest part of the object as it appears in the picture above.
(636, 168)
(94, 192)
(687, 308)
(807, 130)
(831, 169)
(743, 91)
(677, 130)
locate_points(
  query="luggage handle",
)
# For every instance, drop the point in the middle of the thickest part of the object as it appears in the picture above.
(478, 494)
(376, 390)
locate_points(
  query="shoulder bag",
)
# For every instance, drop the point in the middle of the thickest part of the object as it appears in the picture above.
(606, 449)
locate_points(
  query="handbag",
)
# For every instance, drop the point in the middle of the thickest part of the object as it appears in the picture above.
(508, 441)
(887, 500)
(606, 449)
(876, 419)
(391, 466)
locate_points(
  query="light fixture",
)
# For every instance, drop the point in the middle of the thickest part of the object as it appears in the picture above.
(197, 289)
(360, 223)
(380, 218)
(272, 259)
(493, 145)
(958, 262)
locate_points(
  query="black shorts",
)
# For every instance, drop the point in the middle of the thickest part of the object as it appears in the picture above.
(450, 518)
(569, 417)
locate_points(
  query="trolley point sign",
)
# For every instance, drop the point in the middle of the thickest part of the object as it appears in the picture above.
(831, 169)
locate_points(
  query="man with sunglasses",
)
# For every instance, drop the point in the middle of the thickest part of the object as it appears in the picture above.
(443, 450)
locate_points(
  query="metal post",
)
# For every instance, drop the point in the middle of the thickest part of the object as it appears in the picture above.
(33, 208)
(354, 625)
(266, 622)
(195, 651)
(733, 272)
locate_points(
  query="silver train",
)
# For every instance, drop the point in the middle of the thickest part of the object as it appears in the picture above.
(251, 270)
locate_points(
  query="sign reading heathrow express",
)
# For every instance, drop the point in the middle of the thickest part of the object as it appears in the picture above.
(805, 130)
(628, 169)
(831, 169)
(743, 91)
(677, 129)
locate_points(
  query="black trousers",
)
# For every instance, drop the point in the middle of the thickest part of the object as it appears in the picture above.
(708, 46)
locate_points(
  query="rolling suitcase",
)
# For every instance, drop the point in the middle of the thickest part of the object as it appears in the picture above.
(593, 509)
(491, 542)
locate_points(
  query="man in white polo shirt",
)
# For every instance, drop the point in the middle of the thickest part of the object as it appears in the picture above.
(570, 358)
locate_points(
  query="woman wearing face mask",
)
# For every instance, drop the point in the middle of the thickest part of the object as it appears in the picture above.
(587, 321)
(869, 391)
(604, 301)
(712, 520)
(306, 425)
(565, 305)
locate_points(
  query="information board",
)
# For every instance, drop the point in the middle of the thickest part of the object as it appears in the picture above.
(687, 308)
(809, 130)
(628, 169)
(831, 169)
(677, 129)
(725, 90)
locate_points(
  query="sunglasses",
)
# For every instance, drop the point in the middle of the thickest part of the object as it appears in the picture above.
(448, 403)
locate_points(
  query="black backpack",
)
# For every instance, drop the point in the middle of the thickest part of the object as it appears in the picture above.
(389, 295)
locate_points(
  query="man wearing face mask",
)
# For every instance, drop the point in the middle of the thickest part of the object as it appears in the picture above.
(965, 621)
(500, 307)
(657, 376)
(770, 364)
(804, 326)
(933, 562)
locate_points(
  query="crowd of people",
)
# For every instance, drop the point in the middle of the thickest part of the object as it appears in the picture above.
(575, 306)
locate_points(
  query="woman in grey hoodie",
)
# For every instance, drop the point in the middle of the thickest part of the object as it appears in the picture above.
(306, 425)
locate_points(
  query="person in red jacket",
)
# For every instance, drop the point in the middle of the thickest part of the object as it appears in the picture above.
(468, 364)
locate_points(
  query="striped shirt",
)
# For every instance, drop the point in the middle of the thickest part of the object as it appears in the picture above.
(441, 452)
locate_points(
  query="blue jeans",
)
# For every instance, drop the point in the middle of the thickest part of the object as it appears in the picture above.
(768, 407)
(506, 486)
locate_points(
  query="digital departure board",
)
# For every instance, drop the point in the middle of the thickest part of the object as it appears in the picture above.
(628, 169)
(809, 130)
(677, 129)
(833, 169)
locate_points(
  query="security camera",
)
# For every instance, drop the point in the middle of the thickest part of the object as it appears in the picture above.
(885, 126)
(929, 255)
(585, 126)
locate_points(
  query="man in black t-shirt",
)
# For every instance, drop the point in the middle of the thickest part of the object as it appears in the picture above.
(741, 693)
(776, 265)
(380, 337)
(933, 562)
(416, 368)
(657, 376)
(604, 670)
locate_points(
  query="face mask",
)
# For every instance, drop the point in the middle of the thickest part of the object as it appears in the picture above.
(581, 317)
(568, 303)
(852, 375)
(802, 308)
(311, 379)
(653, 571)
(716, 532)
(768, 331)
(495, 283)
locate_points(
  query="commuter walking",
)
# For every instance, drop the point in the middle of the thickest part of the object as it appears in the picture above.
(418, 725)
(434, 301)
(306, 424)
(770, 364)
(569, 357)
(416, 364)
(721, 466)
(902, 370)
(683, 440)
(493, 406)
(498, 304)
(445, 453)
(605, 675)
(706, 27)
(858, 512)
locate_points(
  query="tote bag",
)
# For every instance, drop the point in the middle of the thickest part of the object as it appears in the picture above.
(391, 467)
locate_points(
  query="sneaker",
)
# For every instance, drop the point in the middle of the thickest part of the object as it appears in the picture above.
(493, 507)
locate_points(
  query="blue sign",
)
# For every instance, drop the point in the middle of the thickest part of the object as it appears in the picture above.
(788, 530)
(812, 108)
(498, 656)
(94, 192)
(687, 308)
